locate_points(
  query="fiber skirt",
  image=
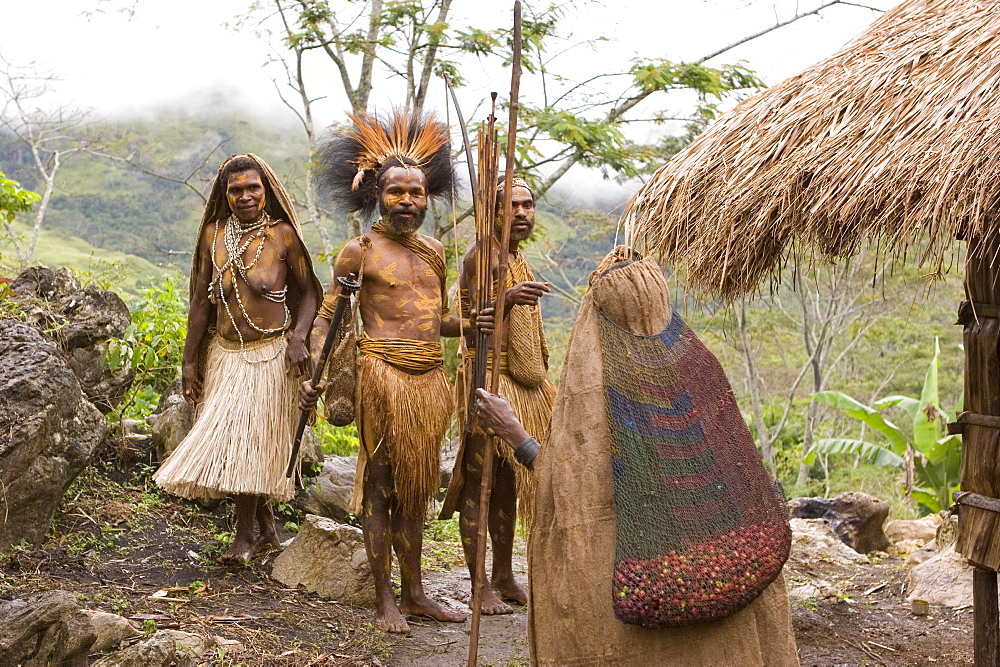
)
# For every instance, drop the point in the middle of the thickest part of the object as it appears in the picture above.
(244, 427)
(402, 419)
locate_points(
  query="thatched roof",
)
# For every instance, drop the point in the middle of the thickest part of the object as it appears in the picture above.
(895, 140)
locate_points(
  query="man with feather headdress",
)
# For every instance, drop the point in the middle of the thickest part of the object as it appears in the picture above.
(403, 399)
(253, 297)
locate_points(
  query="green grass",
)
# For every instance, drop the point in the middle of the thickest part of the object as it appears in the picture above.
(56, 248)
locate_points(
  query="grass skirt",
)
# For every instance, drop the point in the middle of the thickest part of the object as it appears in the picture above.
(404, 417)
(243, 430)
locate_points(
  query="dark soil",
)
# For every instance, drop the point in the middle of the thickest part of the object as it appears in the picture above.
(870, 622)
(117, 541)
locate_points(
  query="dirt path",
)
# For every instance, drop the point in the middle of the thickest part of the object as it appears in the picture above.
(503, 639)
(117, 541)
(867, 621)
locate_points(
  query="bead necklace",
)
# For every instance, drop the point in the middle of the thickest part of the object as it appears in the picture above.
(234, 231)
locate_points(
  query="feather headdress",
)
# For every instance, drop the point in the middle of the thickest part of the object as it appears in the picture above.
(354, 160)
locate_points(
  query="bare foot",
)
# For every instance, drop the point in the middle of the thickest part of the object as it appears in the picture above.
(265, 543)
(424, 606)
(509, 589)
(390, 620)
(494, 606)
(239, 553)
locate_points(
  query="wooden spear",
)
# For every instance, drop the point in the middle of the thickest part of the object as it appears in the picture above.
(498, 338)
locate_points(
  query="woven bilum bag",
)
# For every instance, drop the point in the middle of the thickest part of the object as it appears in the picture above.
(701, 525)
(341, 373)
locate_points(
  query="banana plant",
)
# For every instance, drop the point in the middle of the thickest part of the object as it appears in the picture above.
(929, 458)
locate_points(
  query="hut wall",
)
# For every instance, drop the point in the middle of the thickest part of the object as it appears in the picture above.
(979, 533)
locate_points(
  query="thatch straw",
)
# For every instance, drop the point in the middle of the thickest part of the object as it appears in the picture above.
(892, 140)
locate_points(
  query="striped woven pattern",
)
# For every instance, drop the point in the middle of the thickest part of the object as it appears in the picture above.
(699, 528)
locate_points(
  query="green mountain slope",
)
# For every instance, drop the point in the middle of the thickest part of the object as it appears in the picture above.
(57, 248)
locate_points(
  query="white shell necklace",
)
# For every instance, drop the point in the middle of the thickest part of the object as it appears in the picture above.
(234, 231)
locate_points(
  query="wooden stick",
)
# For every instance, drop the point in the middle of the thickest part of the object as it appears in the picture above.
(498, 337)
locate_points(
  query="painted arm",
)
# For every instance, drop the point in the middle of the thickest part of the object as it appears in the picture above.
(348, 262)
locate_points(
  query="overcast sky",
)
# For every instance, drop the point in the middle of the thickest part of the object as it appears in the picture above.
(166, 50)
(167, 53)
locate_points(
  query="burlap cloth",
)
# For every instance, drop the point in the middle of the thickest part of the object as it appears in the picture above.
(572, 544)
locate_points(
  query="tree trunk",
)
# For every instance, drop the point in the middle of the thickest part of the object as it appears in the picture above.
(50, 181)
(764, 437)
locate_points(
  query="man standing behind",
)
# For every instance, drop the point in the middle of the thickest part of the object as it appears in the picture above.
(403, 399)
(253, 297)
(523, 381)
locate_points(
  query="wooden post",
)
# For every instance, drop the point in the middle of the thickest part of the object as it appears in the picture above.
(986, 632)
(978, 536)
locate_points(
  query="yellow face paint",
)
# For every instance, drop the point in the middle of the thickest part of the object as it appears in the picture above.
(246, 195)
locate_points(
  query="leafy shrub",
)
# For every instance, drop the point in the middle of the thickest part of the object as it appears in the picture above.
(152, 345)
(337, 440)
(929, 457)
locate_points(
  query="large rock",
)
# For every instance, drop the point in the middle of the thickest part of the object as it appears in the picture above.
(945, 579)
(921, 555)
(813, 538)
(913, 530)
(329, 494)
(110, 630)
(80, 320)
(908, 536)
(48, 432)
(329, 558)
(170, 421)
(45, 629)
(166, 648)
(855, 517)
(173, 418)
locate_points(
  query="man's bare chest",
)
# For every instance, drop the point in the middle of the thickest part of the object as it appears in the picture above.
(397, 272)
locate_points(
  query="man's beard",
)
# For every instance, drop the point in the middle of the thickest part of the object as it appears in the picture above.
(515, 235)
(405, 225)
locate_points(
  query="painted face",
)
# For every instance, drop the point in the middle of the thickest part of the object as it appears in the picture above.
(523, 208)
(403, 198)
(245, 193)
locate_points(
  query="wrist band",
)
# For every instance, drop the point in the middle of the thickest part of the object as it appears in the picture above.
(526, 452)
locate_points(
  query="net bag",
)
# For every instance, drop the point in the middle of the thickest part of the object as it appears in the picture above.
(340, 374)
(700, 524)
